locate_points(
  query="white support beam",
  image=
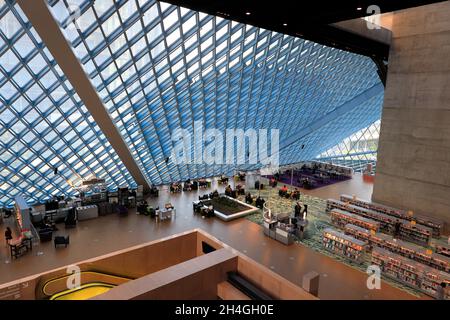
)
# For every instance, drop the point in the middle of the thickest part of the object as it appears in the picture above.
(48, 29)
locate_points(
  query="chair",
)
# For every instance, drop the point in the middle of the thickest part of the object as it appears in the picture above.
(46, 234)
(71, 219)
(122, 210)
(60, 240)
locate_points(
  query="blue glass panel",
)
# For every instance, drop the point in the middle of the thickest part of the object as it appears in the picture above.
(43, 124)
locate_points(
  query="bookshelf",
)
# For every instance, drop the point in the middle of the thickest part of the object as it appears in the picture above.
(408, 231)
(343, 245)
(409, 250)
(434, 224)
(443, 249)
(341, 218)
(409, 272)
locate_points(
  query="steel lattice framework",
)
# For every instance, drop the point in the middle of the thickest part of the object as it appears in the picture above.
(158, 67)
(43, 124)
(358, 150)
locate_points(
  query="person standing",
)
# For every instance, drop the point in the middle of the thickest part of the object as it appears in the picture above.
(305, 211)
(397, 228)
(297, 210)
(441, 290)
(8, 235)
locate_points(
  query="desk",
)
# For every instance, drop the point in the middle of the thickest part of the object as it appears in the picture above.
(165, 214)
(19, 247)
(87, 212)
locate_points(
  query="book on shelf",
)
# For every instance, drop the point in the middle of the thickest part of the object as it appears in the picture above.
(435, 224)
(411, 272)
(406, 249)
(416, 233)
(343, 244)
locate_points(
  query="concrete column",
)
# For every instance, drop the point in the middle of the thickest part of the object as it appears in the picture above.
(413, 169)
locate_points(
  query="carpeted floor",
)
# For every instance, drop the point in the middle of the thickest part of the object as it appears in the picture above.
(318, 220)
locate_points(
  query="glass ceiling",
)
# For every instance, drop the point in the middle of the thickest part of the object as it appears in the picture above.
(43, 123)
(158, 67)
(358, 150)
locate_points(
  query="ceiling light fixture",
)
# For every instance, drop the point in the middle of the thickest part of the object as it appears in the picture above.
(248, 13)
(359, 8)
(285, 24)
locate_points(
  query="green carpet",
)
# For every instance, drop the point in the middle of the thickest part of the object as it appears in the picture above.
(318, 220)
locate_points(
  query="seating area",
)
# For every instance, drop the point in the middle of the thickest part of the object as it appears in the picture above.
(176, 187)
(311, 175)
(289, 194)
(190, 185)
(206, 211)
(239, 190)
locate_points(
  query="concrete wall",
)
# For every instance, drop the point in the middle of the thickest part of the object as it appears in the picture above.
(413, 169)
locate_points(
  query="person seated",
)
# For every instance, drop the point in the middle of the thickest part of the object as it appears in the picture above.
(204, 197)
(295, 194)
(202, 183)
(151, 212)
(215, 194)
(273, 182)
(187, 186)
(223, 179)
(248, 198)
(305, 183)
(197, 207)
(260, 202)
(210, 211)
(228, 191)
(283, 191)
(141, 207)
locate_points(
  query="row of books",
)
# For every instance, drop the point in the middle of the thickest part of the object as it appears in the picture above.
(341, 218)
(407, 230)
(429, 222)
(410, 272)
(443, 249)
(409, 250)
(343, 244)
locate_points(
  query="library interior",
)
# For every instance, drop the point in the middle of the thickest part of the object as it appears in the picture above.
(224, 150)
